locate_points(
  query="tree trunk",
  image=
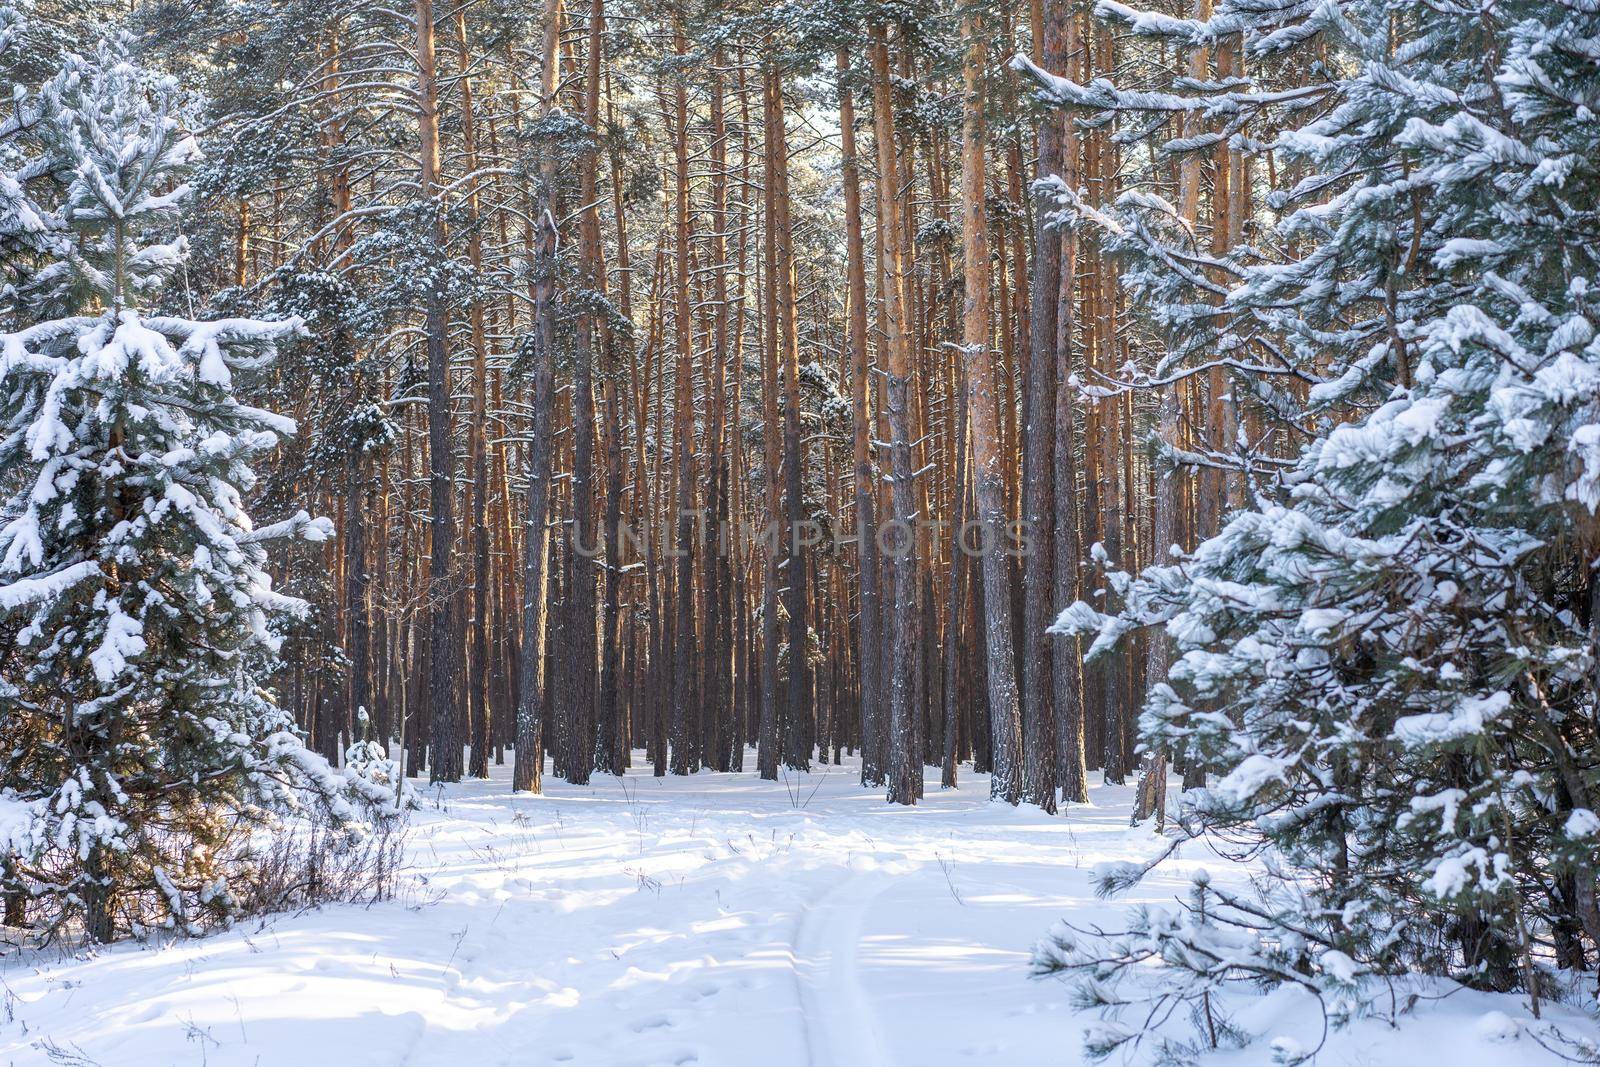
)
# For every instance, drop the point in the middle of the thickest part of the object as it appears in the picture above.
(983, 414)
(1067, 671)
(611, 713)
(772, 694)
(528, 771)
(478, 677)
(581, 644)
(955, 629)
(357, 621)
(904, 770)
(798, 721)
(685, 722)
(443, 593)
(869, 637)
(717, 572)
(1152, 795)
(1039, 711)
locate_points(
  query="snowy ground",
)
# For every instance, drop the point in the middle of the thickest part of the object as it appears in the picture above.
(714, 920)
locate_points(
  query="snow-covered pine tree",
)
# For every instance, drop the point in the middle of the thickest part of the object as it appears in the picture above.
(142, 757)
(28, 232)
(1388, 663)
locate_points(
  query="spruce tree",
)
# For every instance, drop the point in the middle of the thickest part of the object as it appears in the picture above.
(143, 755)
(1387, 663)
(29, 232)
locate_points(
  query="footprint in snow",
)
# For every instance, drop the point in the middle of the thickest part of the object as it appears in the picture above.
(651, 1022)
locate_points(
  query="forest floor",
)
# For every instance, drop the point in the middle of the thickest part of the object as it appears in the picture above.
(713, 920)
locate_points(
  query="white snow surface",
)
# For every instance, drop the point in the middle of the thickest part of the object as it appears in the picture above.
(712, 920)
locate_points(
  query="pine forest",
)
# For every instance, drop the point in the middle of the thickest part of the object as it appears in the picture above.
(848, 533)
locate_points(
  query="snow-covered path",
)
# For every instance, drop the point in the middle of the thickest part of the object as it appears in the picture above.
(715, 920)
(634, 921)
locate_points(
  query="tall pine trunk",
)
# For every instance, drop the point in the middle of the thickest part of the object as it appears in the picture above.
(798, 720)
(988, 485)
(685, 712)
(1039, 709)
(443, 594)
(904, 769)
(478, 676)
(869, 635)
(528, 771)
(581, 644)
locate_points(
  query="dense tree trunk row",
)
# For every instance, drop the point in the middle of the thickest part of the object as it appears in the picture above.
(789, 424)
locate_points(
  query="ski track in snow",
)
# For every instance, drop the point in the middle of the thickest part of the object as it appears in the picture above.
(840, 1026)
(713, 920)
